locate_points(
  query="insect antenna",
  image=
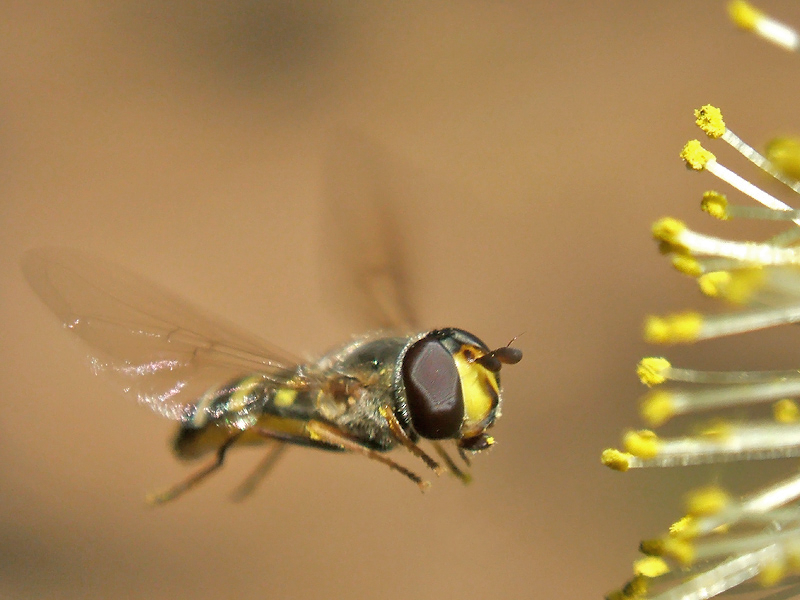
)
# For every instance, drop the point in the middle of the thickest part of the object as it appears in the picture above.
(505, 355)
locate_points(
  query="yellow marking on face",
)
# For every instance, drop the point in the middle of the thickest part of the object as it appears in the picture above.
(284, 397)
(239, 398)
(479, 398)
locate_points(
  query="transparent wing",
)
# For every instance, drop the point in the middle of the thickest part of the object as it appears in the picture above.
(159, 349)
(365, 270)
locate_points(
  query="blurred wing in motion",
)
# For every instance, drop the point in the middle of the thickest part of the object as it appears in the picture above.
(363, 252)
(162, 351)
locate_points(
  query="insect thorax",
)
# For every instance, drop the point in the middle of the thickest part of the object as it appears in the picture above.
(361, 379)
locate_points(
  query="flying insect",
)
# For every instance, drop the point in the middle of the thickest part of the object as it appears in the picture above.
(226, 388)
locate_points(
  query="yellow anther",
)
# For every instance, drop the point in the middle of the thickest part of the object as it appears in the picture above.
(786, 411)
(635, 589)
(744, 283)
(696, 156)
(643, 443)
(616, 595)
(657, 408)
(653, 547)
(656, 330)
(709, 500)
(651, 370)
(772, 573)
(722, 529)
(784, 153)
(673, 329)
(709, 119)
(793, 558)
(686, 527)
(680, 549)
(668, 230)
(712, 284)
(650, 566)
(719, 430)
(616, 459)
(687, 265)
(744, 15)
(735, 286)
(715, 204)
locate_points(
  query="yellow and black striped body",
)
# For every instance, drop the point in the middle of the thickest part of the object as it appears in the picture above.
(346, 388)
(349, 389)
(227, 388)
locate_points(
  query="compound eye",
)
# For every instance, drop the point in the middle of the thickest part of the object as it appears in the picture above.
(433, 390)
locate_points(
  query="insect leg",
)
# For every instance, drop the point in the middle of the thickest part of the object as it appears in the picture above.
(464, 456)
(248, 486)
(450, 463)
(195, 478)
(407, 442)
(330, 435)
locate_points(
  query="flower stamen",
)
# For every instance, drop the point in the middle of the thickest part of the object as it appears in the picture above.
(750, 18)
(723, 540)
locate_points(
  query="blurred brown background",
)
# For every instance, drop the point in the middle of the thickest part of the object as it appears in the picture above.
(531, 143)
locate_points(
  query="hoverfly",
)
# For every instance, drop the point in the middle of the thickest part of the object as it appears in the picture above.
(226, 388)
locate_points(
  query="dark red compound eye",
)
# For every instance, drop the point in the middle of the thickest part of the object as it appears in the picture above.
(433, 390)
